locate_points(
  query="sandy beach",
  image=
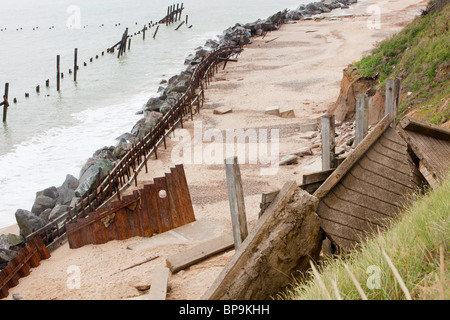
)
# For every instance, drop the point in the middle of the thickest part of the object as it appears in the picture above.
(299, 67)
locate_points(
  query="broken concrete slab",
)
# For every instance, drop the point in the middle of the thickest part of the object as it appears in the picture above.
(273, 111)
(306, 127)
(279, 247)
(309, 135)
(301, 152)
(287, 160)
(222, 110)
(200, 252)
(287, 113)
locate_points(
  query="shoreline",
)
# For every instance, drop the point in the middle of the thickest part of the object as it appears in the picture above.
(228, 37)
(313, 62)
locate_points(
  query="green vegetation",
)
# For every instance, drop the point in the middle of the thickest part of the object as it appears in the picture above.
(417, 245)
(420, 56)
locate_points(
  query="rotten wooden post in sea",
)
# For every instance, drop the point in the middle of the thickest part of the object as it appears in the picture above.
(58, 73)
(5, 103)
(75, 64)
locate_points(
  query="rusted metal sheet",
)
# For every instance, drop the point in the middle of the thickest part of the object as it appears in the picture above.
(164, 205)
(370, 192)
(431, 144)
(29, 257)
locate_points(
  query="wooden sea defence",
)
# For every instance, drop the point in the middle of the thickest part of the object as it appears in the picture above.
(158, 207)
(127, 170)
(29, 257)
(368, 188)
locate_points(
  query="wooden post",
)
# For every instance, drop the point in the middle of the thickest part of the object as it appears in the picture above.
(5, 102)
(129, 44)
(156, 31)
(143, 32)
(392, 99)
(328, 142)
(167, 17)
(362, 118)
(187, 19)
(236, 199)
(176, 12)
(181, 10)
(75, 64)
(58, 73)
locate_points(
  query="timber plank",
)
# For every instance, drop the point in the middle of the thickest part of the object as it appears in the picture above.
(392, 135)
(200, 252)
(344, 243)
(371, 190)
(355, 197)
(387, 172)
(160, 278)
(354, 209)
(334, 227)
(425, 128)
(394, 164)
(344, 218)
(376, 179)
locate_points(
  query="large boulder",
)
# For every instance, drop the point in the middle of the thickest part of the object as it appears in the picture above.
(6, 256)
(93, 176)
(57, 211)
(41, 203)
(67, 190)
(28, 222)
(10, 241)
(154, 104)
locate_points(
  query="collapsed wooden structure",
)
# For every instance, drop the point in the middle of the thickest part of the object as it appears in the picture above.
(368, 188)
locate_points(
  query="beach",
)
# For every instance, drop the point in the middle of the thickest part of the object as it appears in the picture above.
(298, 67)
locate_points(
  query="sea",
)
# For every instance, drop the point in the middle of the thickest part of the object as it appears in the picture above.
(51, 134)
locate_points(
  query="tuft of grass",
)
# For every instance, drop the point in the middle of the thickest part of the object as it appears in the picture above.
(420, 56)
(408, 261)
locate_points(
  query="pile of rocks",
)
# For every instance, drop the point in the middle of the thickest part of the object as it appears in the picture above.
(314, 8)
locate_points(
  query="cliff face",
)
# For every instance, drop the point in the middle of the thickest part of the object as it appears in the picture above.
(352, 85)
(419, 55)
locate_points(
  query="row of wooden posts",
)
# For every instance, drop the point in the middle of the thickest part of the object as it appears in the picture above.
(173, 14)
(127, 170)
(329, 160)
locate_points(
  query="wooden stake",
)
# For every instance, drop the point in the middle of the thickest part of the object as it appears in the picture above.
(5, 102)
(236, 199)
(362, 118)
(75, 64)
(392, 99)
(58, 73)
(328, 142)
(154, 35)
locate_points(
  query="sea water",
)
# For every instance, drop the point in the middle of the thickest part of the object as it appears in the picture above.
(51, 134)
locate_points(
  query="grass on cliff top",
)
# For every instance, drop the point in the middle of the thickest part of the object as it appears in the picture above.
(420, 56)
(417, 244)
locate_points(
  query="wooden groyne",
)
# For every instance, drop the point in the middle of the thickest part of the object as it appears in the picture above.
(29, 257)
(127, 170)
(159, 207)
